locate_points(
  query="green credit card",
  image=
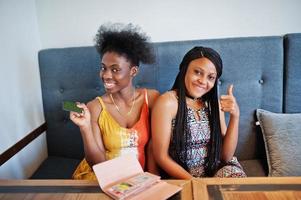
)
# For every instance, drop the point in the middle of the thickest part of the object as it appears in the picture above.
(71, 106)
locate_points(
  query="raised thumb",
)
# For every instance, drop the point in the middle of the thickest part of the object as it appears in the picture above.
(230, 90)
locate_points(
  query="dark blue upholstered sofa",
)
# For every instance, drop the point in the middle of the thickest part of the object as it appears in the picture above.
(265, 72)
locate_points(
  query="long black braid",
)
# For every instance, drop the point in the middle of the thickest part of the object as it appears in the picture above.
(181, 133)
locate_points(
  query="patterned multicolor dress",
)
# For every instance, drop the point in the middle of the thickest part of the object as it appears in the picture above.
(118, 140)
(197, 149)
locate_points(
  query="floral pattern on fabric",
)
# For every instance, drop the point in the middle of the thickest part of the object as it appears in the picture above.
(198, 145)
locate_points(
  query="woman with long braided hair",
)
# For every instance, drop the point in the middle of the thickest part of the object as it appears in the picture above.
(190, 136)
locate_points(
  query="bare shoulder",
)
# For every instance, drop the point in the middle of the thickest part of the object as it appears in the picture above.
(168, 99)
(167, 102)
(152, 95)
(93, 103)
(94, 107)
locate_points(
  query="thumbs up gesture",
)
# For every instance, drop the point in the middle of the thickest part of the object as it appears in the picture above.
(228, 102)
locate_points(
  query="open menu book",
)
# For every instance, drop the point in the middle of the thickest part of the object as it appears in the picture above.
(123, 178)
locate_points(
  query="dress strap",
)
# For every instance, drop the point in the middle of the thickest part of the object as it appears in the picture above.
(101, 103)
(145, 96)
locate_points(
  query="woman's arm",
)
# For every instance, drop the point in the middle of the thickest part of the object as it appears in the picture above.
(163, 112)
(228, 104)
(87, 122)
(151, 165)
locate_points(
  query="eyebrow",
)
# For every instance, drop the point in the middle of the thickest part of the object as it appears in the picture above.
(114, 65)
(199, 68)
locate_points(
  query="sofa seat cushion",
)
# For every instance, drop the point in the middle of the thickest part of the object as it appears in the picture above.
(56, 168)
(254, 168)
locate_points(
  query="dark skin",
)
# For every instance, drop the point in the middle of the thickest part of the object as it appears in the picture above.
(117, 74)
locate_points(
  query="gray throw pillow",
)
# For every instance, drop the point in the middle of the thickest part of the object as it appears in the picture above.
(282, 138)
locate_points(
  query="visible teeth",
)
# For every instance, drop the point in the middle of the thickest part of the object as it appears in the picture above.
(109, 85)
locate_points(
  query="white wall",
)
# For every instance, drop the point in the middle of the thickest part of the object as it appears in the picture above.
(20, 102)
(65, 23)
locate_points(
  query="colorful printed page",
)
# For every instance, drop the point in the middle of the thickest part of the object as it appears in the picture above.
(132, 186)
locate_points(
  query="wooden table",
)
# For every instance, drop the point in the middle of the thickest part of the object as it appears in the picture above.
(203, 188)
(247, 188)
(68, 189)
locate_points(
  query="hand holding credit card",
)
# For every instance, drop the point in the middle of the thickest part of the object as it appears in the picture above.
(71, 106)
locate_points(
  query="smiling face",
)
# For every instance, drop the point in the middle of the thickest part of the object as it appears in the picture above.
(116, 72)
(200, 77)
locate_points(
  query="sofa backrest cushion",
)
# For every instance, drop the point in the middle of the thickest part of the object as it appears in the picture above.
(67, 74)
(292, 90)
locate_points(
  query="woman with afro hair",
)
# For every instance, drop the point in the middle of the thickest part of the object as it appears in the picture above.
(191, 138)
(117, 123)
